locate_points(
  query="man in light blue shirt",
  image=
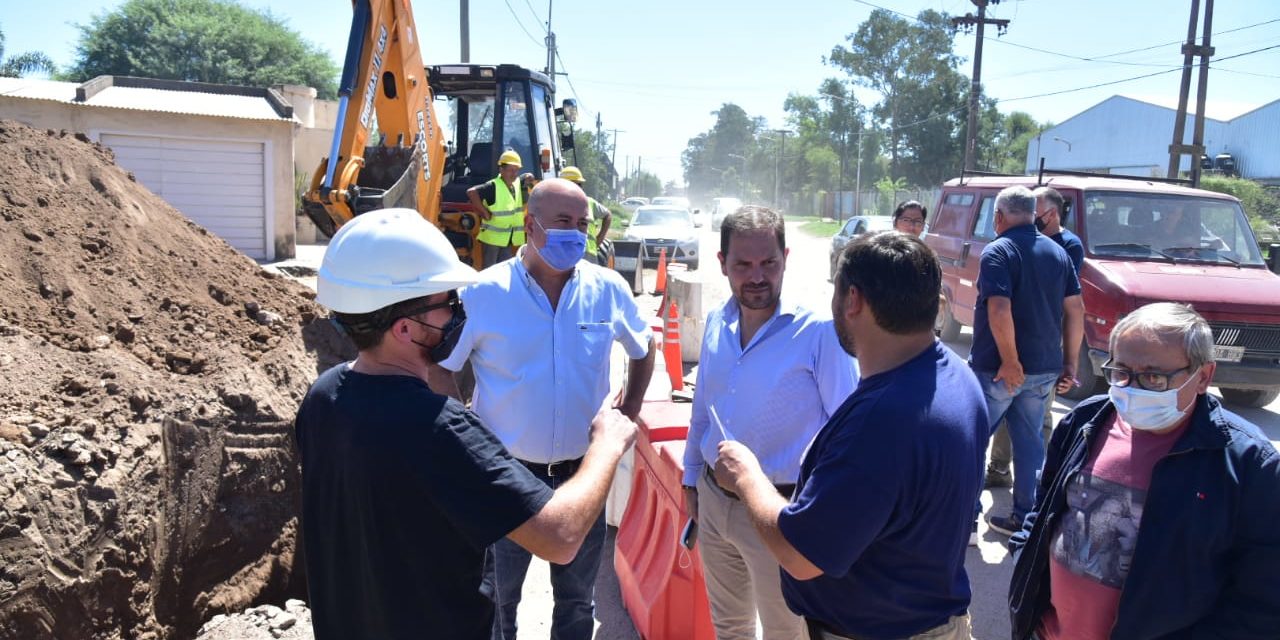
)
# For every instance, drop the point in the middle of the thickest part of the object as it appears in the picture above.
(539, 342)
(770, 375)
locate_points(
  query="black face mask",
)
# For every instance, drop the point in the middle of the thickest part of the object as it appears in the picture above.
(451, 332)
(1041, 225)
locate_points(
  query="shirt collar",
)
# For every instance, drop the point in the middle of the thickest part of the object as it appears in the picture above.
(1020, 229)
(787, 306)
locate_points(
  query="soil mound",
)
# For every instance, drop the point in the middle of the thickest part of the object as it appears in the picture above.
(150, 374)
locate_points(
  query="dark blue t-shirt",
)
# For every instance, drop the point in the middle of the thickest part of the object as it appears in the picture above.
(1035, 274)
(884, 503)
(402, 491)
(1070, 242)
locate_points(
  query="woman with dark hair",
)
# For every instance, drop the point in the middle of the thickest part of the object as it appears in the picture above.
(909, 218)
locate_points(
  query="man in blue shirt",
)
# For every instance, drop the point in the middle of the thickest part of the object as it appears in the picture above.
(770, 374)
(1027, 327)
(1050, 212)
(873, 542)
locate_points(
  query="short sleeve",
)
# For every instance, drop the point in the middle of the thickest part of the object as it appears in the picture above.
(993, 272)
(473, 480)
(488, 192)
(629, 327)
(853, 489)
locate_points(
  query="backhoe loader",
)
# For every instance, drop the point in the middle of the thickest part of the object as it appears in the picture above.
(417, 137)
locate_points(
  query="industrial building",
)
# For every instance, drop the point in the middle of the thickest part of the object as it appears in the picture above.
(1129, 136)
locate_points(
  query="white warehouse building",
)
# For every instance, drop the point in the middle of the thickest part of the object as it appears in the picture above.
(1128, 136)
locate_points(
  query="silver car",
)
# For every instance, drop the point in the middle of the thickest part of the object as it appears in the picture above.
(663, 227)
(853, 228)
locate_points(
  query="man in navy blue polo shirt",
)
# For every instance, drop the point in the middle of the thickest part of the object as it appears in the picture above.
(873, 543)
(1027, 327)
(1051, 212)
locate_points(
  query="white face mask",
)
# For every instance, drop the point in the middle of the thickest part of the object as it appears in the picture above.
(1150, 410)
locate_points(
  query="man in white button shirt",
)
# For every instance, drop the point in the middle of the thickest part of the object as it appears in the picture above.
(539, 339)
(770, 375)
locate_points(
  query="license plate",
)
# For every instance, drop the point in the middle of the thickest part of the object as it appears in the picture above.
(1224, 353)
(628, 264)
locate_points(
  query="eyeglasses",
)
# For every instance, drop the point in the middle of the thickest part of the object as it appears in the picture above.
(1149, 380)
(915, 222)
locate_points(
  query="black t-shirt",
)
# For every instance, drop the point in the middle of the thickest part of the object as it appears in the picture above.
(403, 490)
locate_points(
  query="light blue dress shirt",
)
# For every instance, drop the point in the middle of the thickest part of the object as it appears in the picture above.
(774, 395)
(543, 374)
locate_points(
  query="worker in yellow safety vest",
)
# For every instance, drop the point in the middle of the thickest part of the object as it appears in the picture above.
(500, 203)
(601, 216)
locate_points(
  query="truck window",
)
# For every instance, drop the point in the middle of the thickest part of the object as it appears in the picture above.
(985, 227)
(515, 123)
(1164, 227)
(950, 219)
(541, 126)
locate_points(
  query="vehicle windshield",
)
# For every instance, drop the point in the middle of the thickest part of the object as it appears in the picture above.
(1168, 228)
(879, 223)
(658, 217)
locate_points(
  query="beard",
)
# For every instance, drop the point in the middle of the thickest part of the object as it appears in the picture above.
(845, 337)
(757, 297)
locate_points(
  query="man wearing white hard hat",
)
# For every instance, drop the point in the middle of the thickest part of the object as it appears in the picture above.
(404, 489)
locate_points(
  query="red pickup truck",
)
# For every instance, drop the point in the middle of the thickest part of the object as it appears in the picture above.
(1145, 241)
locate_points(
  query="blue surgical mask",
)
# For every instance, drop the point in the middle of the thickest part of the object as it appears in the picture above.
(563, 248)
(1149, 410)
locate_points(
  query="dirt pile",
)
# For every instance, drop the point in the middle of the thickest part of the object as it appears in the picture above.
(149, 374)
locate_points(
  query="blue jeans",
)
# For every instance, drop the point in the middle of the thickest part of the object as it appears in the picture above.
(1025, 409)
(572, 585)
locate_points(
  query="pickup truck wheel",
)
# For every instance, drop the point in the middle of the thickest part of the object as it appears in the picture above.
(1091, 384)
(1253, 398)
(945, 325)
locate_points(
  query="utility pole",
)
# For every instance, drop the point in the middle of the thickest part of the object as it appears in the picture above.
(1189, 52)
(857, 188)
(968, 21)
(551, 45)
(464, 24)
(613, 157)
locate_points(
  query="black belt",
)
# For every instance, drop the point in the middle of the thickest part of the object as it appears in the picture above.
(785, 489)
(553, 469)
(819, 631)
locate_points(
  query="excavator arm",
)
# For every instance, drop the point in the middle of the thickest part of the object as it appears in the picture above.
(383, 89)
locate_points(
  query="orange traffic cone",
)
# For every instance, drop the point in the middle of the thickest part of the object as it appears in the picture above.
(671, 348)
(661, 287)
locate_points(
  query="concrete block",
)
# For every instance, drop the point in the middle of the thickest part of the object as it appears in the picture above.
(685, 288)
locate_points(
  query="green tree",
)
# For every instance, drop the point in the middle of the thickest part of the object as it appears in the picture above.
(711, 154)
(1261, 207)
(215, 41)
(888, 189)
(643, 184)
(912, 67)
(593, 161)
(24, 63)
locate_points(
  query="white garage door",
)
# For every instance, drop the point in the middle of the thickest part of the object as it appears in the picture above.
(219, 184)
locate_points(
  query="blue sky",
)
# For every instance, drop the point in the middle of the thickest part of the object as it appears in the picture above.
(657, 69)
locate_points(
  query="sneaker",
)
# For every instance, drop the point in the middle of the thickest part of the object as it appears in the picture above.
(973, 535)
(1008, 525)
(997, 479)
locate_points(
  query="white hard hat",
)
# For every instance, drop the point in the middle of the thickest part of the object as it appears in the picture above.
(387, 256)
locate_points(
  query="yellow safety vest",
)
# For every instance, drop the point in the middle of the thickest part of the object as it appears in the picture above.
(593, 227)
(507, 224)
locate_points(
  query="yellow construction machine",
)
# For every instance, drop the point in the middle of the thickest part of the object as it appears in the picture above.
(411, 136)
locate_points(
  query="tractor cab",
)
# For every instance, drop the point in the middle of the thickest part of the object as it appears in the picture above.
(486, 110)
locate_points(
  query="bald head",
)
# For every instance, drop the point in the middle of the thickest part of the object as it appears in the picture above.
(557, 204)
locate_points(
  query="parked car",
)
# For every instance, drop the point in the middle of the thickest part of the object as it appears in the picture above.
(721, 207)
(699, 219)
(664, 227)
(633, 203)
(853, 228)
(1145, 241)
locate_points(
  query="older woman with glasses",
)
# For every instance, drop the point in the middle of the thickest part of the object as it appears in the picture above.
(1154, 491)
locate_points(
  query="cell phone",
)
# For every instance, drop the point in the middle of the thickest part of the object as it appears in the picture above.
(690, 534)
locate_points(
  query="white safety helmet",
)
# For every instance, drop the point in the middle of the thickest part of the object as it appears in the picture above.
(387, 256)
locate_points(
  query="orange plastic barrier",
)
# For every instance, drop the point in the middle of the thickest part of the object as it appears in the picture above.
(662, 583)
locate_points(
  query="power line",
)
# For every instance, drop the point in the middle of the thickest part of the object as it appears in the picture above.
(521, 24)
(536, 18)
(1166, 44)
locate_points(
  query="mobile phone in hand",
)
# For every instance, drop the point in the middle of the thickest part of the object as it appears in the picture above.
(690, 534)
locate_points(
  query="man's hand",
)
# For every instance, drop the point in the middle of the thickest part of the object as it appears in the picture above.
(691, 501)
(735, 464)
(1011, 373)
(1068, 379)
(613, 427)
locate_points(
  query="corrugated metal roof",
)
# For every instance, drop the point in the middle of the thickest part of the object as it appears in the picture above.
(1223, 110)
(145, 99)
